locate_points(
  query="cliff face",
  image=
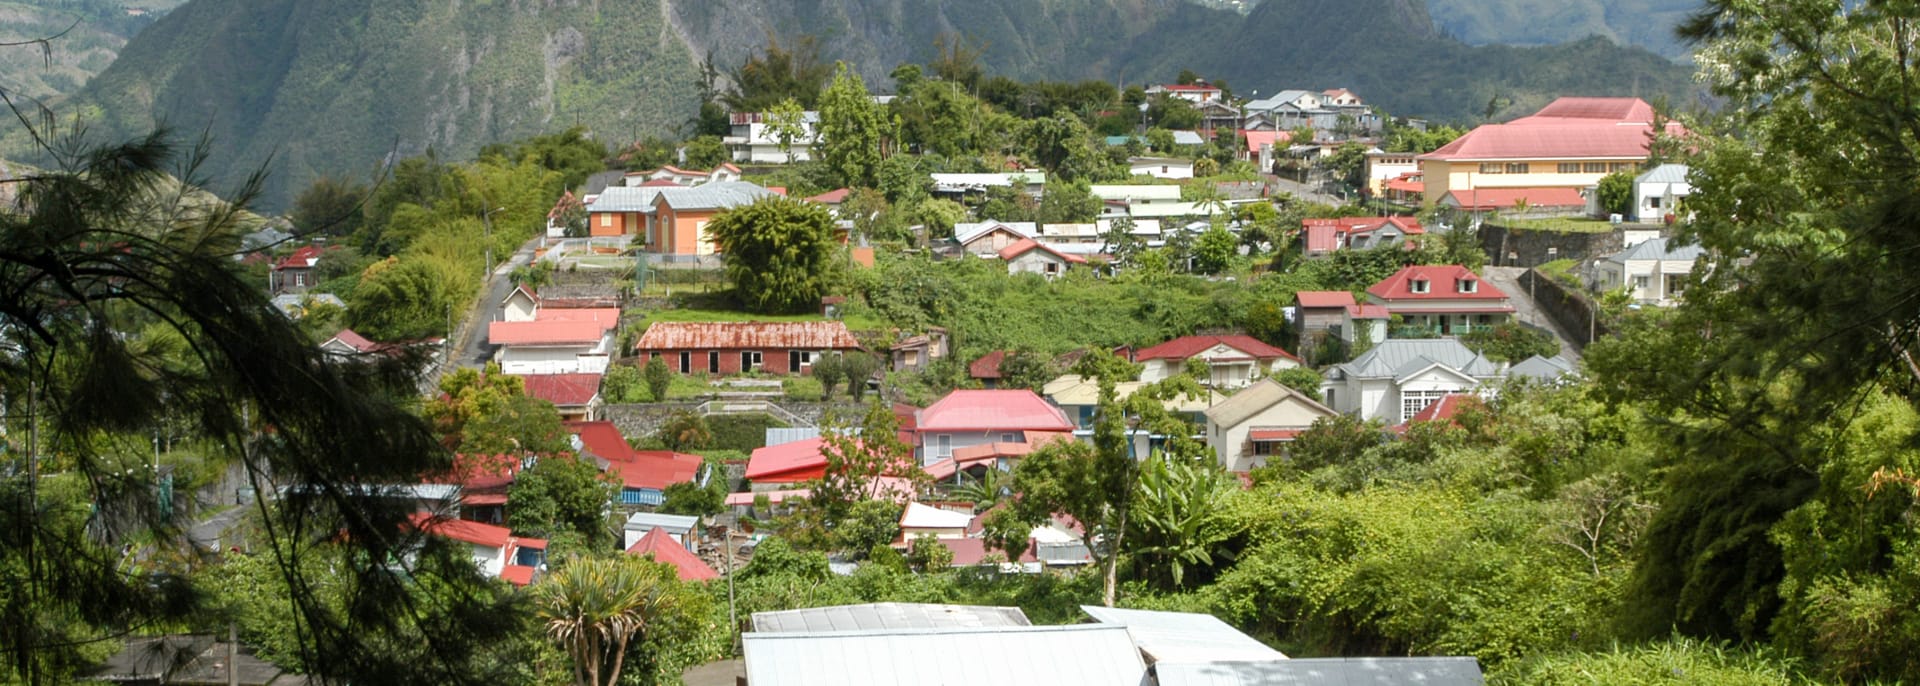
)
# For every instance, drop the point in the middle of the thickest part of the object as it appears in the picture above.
(341, 86)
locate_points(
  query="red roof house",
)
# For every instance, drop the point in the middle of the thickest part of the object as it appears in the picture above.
(295, 273)
(644, 475)
(788, 463)
(1450, 299)
(552, 346)
(1028, 256)
(986, 370)
(974, 417)
(1327, 235)
(662, 548)
(735, 347)
(1233, 361)
(495, 549)
(576, 396)
(1569, 144)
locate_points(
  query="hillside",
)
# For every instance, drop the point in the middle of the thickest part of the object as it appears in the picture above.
(93, 36)
(339, 86)
(1645, 23)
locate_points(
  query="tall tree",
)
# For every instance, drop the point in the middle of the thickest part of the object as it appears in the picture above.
(596, 608)
(777, 74)
(489, 413)
(94, 250)
(786, 122)
(780, 253)
(853, 130)
(565, 498)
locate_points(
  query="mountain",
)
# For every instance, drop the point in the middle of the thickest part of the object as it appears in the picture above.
(1645, 23)
(86, 37)
(340, 86)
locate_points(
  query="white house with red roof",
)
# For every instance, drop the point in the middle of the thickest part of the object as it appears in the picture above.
(552, 346)
(644, 475)
(975, 417)
(495, 549)
(1449, 299)
(1233, 361)
(1028, 256)
(1196, 93)
(1569, 144)
(1257, 423)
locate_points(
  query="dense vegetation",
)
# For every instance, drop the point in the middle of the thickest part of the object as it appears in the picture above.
(339, 88)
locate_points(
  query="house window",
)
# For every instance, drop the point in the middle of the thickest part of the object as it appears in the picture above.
(1006, 438)
(1417, 285)
(1492, 168)
(1569, 167)
(1617, 166)
(1653, 203)
(1517, 167)
(713, 362)
(1330, 399)
(1469, 286)
(1594, 167)
(300, 280)
(686, 362)
(1412, 402)
(1266, 447)
(749, 360)
(943, 446)
(1163, 169)
(606, 220)
(1640, 283)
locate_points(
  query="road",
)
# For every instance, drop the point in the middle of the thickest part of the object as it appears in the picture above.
(472, 349)
(1507, 279)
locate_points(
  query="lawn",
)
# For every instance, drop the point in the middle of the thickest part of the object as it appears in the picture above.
(1557, 224)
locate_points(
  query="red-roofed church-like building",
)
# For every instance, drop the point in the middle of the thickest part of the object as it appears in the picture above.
(1568, 145)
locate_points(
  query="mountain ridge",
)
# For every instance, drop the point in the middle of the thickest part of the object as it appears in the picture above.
(342, 86)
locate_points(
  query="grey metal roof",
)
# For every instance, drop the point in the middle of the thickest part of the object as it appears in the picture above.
(788, 434)
(1658, 249)
(715, 195)
(642, 521)
(1086, 654)
(1278, 99)
(967, 231)
(1188, 138)
(1398, 356)
(1357, 671)
(1666, 173)
(873, 616)
(1542, 368)
(1184, 636)
(625, 199)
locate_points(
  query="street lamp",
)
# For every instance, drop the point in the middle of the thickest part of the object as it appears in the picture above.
(486, 223)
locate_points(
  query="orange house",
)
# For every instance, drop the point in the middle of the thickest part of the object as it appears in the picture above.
(678, 223)
(620, 210)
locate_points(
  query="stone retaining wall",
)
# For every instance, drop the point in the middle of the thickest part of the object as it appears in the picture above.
(1569, 307)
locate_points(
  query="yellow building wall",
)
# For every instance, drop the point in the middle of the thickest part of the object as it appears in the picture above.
(1443, 176)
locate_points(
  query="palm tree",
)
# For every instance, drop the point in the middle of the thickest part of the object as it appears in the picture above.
(595, 607)
(986, 490)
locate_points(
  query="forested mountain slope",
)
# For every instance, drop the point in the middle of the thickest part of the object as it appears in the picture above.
(337, 86)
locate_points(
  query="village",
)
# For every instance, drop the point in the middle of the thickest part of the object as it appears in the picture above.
(1492, 259)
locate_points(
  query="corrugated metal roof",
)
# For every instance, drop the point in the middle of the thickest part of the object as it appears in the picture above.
(1093, 655)
(1184, 636)
(1542, 368)
(716, 195)
(1666, 173)
(1658, 249)
(642, 521)
(787, 434)
(826, 335)
(625, 199)
(1360, 671)
(1390, 356)
(875, 616)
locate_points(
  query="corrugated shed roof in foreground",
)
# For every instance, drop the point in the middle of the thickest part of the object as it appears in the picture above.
(1357, 671)
(825, 335)
(1086, 654)
(1184, 636)
(873, 616)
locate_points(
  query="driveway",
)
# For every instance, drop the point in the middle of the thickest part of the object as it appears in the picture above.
(1507, 279)
(472, 349)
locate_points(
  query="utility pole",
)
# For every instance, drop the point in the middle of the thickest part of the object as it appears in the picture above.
(486, 223)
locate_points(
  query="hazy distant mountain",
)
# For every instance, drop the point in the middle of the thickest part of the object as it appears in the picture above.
(335, 86)
(1645, 23)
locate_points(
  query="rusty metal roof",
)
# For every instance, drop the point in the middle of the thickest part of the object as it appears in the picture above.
(825, 335)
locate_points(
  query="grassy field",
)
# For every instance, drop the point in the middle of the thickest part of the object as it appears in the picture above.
(1557, 224)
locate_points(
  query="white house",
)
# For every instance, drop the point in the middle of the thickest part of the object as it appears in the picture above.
(1658, 192)
(1160, 167)
(1033, 257)
(988, 238)
(496, 551)
(554, 346)
(753, 140)
(1196, 93)
(680, 528)
(1257, 423)
(1233, 361)
(1398, 378)
(1653, 270)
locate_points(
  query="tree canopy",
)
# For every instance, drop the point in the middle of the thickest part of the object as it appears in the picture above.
(780, 253)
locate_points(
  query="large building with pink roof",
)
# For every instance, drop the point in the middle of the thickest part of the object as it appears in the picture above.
(1541, 159)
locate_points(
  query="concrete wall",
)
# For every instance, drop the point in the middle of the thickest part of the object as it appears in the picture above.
(1529, 248)
(1570, 308)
